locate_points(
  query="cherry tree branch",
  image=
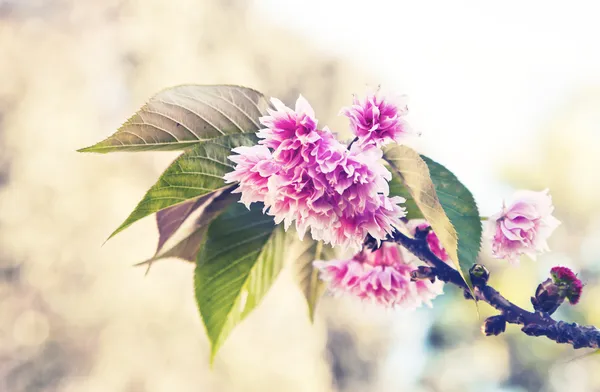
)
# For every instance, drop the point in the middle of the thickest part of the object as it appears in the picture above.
(534, 323)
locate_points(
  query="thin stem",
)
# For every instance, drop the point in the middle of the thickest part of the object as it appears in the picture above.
(352, 142)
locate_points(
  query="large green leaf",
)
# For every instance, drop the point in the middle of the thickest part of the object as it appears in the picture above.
(302, 254)
(238, 263)
(434, 193)
(461, 209)
(179, 117)
(195, 173)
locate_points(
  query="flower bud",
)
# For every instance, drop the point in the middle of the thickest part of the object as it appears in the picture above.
(494, 325)
(566, 280)
(479, 275)
(550, 294)
(547, 297)
(423, 273)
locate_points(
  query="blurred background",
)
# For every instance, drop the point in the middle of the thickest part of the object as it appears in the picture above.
(507, 95)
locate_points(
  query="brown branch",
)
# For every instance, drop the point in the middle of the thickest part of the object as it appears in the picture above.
(534, 323)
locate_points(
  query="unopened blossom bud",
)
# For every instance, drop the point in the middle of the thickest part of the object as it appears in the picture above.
(479, 275)
(494, 325)
(523, 226)
(562, 284)
(423, 273)
(566, 280)
(547, 297)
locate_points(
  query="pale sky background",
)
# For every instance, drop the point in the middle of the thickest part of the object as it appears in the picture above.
(481, 75)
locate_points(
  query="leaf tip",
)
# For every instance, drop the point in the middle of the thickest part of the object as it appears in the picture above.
(148, 263)
(109, 237)
(113, 234)
(89, 149)
(214, 348)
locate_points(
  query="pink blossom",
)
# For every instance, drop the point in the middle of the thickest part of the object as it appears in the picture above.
(291, 128)
(566, 278)
(377, 120)
(432, 239)
(339, 195)
(381, 276)
(378, 219)
(523, 227)
(254, 167)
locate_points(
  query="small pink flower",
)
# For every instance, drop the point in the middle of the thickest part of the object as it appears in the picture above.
(377, 120)
(564, 277)
(253, 169)
(523, 227)
(381, 276)
(432, 239)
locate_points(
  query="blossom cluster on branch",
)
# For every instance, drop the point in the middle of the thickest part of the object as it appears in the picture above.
(303, 174)
(408, 226)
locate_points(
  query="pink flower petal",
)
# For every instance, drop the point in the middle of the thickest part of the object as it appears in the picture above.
(523, 227)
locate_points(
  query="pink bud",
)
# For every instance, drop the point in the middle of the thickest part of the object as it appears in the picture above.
(564, 277)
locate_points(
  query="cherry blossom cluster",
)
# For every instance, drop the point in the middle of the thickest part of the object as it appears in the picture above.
(383, 276)
(304, 175)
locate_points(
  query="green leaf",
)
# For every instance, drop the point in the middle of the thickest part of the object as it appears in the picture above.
(238, 263)
(434, 193)
(193, 236)
(180, 117)
(460, 207)
(397, 188)
(302, 254)
(195, 173)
